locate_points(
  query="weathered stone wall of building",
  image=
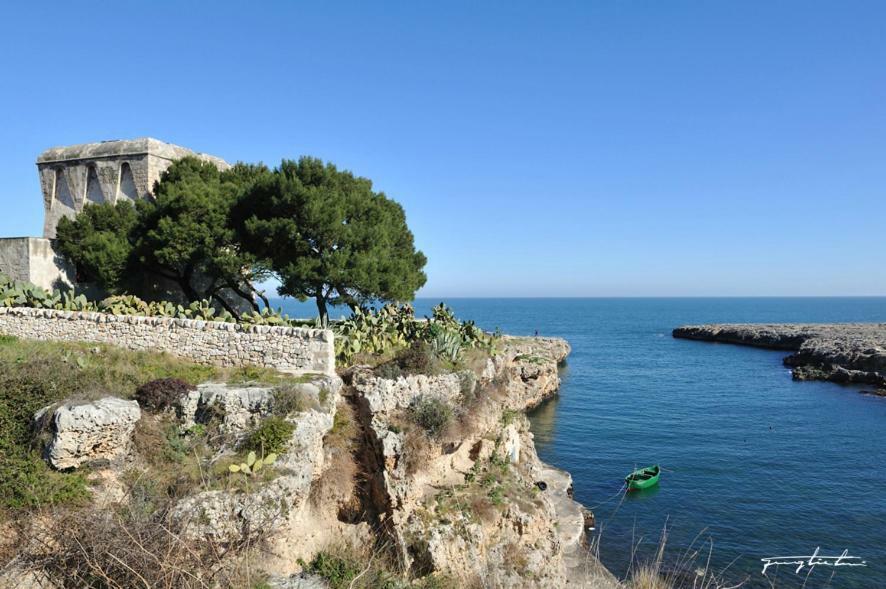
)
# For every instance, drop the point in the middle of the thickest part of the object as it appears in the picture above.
(289, 349)
(73, 176)
(14, 257)
(32, 259)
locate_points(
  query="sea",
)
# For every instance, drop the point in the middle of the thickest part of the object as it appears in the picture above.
(754, 464)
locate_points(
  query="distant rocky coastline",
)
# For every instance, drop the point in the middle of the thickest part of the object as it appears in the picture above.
(846, 353)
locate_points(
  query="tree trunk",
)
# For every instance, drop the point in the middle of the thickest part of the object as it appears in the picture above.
(221, 301)
(321, 309)
(245, 296)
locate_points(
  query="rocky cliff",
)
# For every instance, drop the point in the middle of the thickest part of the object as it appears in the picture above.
(839, 352)
(473, 501)
(434, 474)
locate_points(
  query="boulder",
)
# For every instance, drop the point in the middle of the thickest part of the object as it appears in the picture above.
(91, 432)
(241, 407)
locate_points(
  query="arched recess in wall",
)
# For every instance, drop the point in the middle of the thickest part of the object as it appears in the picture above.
(62, 190)
(94, 192)
(127, 183)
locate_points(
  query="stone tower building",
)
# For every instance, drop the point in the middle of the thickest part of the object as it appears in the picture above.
(70, 178)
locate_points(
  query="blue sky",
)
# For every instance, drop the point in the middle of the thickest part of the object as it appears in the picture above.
(540, 149)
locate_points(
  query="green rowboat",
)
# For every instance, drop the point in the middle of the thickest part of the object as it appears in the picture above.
(643, 478)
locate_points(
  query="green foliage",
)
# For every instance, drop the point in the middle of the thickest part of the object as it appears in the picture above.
(124, 305)
(349, 568)
(431, 413)
(509, 416)
(393, 327)
(289, 398)
(447, 345)
(99, 244)
(253, 464)
(29, 381)
(185, 233)
(266, 316)
(182, 235)
(272, 435)
(24, 294)
(371, 332)
(329, 236)
(336, 570)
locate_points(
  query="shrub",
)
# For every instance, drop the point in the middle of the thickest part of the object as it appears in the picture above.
(389, 370)
(161, 394)
(337, 571)
(272, 435)
(101, 547)
(419, 358)
(29, 381)
(352, 567)
(431, 413)
(289, 399)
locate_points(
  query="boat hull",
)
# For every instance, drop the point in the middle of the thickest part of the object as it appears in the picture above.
(643, 478)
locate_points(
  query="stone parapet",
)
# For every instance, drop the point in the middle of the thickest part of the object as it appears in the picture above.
(296, 350)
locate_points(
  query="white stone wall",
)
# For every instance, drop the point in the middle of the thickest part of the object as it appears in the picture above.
(14, 257)
(32, 259)
(295, 350)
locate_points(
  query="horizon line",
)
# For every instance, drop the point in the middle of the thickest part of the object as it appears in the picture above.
(580, 297)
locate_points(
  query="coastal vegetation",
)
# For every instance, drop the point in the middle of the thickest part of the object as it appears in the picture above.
(328, 236)
(32, 379)
(324, 233)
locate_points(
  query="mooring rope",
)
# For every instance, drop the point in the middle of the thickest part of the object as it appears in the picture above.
(617, 493)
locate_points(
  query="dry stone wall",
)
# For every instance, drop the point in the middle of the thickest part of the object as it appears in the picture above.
(295, 350)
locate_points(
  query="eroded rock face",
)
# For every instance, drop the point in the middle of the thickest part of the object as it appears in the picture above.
(386, 395)
(529, 367)
(242, 407)
(466, 503)
(275, 506)
(91, 432)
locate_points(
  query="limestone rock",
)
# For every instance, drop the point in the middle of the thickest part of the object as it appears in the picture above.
(300, 581)
(526, 539)
(242, 407)
(89, 432)
(274, 506)
(839, 352)
(384, 395)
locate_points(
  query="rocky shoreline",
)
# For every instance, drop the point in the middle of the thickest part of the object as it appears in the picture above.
(845, 353)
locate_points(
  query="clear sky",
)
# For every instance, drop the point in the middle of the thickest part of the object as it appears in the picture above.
(539, 148)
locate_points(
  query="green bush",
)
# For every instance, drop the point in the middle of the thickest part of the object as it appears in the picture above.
(272, 435)
(352, 568)
(337, 571)
(431, 413)
(391, 328)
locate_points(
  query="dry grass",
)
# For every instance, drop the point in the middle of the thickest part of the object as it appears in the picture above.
(337, 486)
(120, 549)
(689, 569)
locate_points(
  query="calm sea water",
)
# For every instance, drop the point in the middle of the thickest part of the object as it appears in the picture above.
(757, 464)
